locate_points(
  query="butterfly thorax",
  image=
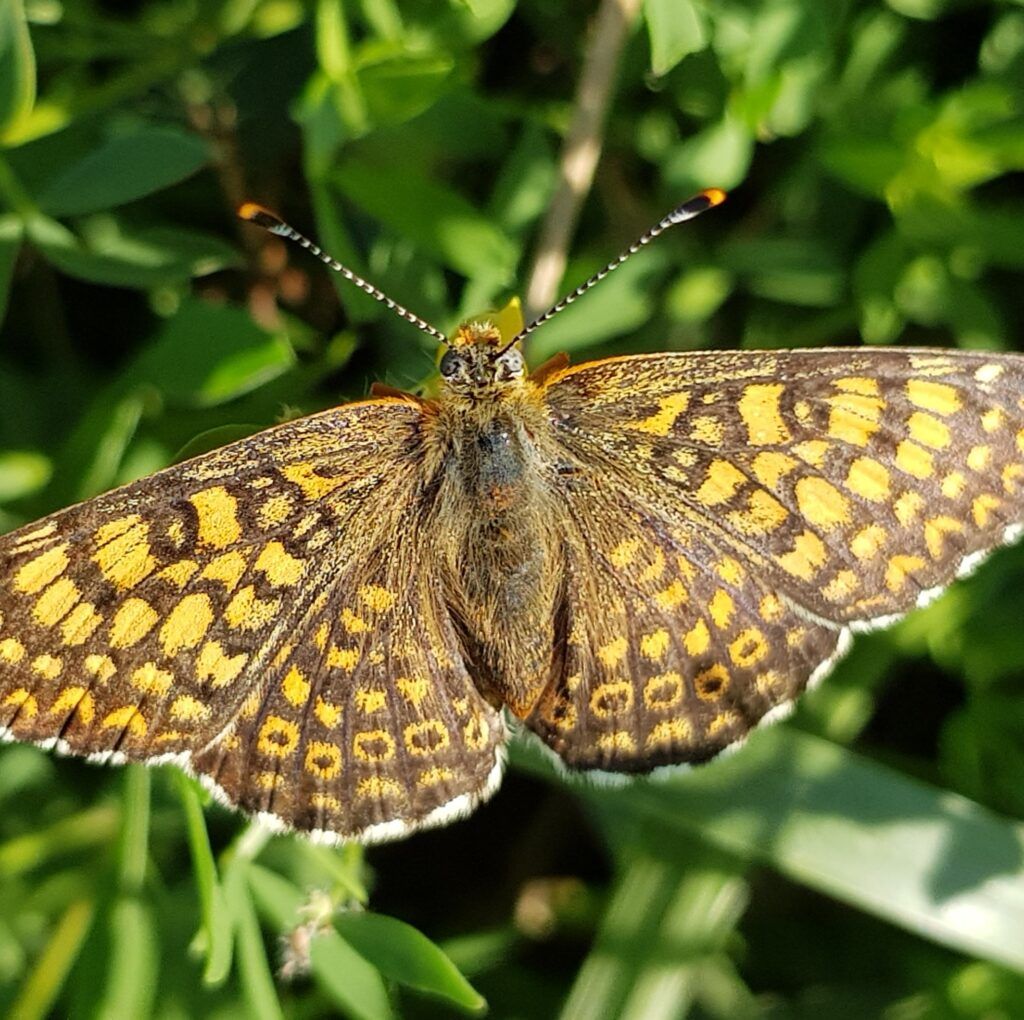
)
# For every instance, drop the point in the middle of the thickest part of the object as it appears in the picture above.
(492, 516)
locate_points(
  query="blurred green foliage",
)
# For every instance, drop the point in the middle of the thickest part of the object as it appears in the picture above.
(867, 859)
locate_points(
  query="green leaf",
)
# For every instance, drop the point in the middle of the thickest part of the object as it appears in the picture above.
(111, 253)
(133, 962)
(22, 473)
(433, 216)
(676, 29)
(11, 233)
(254, 968)
(716, 157)
(354, 985)
(398, 88)
(17, 68)
(123, 169)
(925, 859)
(402, 953)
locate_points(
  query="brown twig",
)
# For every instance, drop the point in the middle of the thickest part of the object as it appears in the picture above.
(581, 151)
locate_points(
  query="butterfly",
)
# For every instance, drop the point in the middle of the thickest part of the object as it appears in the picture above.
(335, 622)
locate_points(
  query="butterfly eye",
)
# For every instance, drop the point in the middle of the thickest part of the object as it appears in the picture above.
(450, 364)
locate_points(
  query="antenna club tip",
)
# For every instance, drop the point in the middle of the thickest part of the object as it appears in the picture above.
(253, 213)
(715, 196)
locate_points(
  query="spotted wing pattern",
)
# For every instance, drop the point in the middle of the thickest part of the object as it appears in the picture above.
(180, 616)
(744, 511)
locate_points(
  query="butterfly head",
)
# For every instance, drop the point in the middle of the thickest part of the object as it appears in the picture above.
(479, 363)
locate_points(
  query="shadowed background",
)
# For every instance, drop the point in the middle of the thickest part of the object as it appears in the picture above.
(865, 859)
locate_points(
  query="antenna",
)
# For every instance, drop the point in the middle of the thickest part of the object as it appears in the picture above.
(692, 207)
(253, 213)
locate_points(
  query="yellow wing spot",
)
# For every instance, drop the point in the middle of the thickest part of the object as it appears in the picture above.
(842, 587)
(624, 553)
(47, 666)
(217, 513)
(979, 458)
(324, 801)
(932, 396)
(863, 385)
(663, 691)
(322, 635)
(187, 624)
(914, 460)
(908, 507)
(613, 652)
(812, 451)
(476, 733)
(56, 602)
(770, 608)
(227, 568)
(803, 412)
(708, 430)
(655, 644)
(268, 780)
(660, 423)
(278, 737)
(935, 531)
(123, 553)
(763, 514)
(1013, 476)
(127, 718)
(213, 664)
(248, 612)
(80, 624)
(280, 568)
(352, 623)
(295, 687)
(854, 417)
(561, 713)
(900, 568)
(426, 737)
(866, 543)
(929, 431)
(313, 486)
(720, 608)
(36, 535)
(251, 705)
(723, 721)
(100, 666)
(721, 484)
(343, 658)
(176, 533)
(327, 714)
(150, 680)
(41, 571)
(749, 647)
(759, 408)
(371, 701)
(988, 373)
(697, 639)
(373, 745)
(1020, 435)
(674, 595)
(434, 777)
(620, 740)
(134, 619)
(769, 684)
(24, 701)
(323, 760)
(730, 571)
(609, 700)
(413, 691)
(669, 733)
(868, 479)
(770, 467)
(178, 574)
(822, 503)
(806, 557)
(953, 484)
(275, 511)
(795, 636)
(76, 700)
(982, 508)
(993, 419)
(376, 598)
(11, 650)
(189, 709)
(685, 457)
(655, 567)
(378, 788)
